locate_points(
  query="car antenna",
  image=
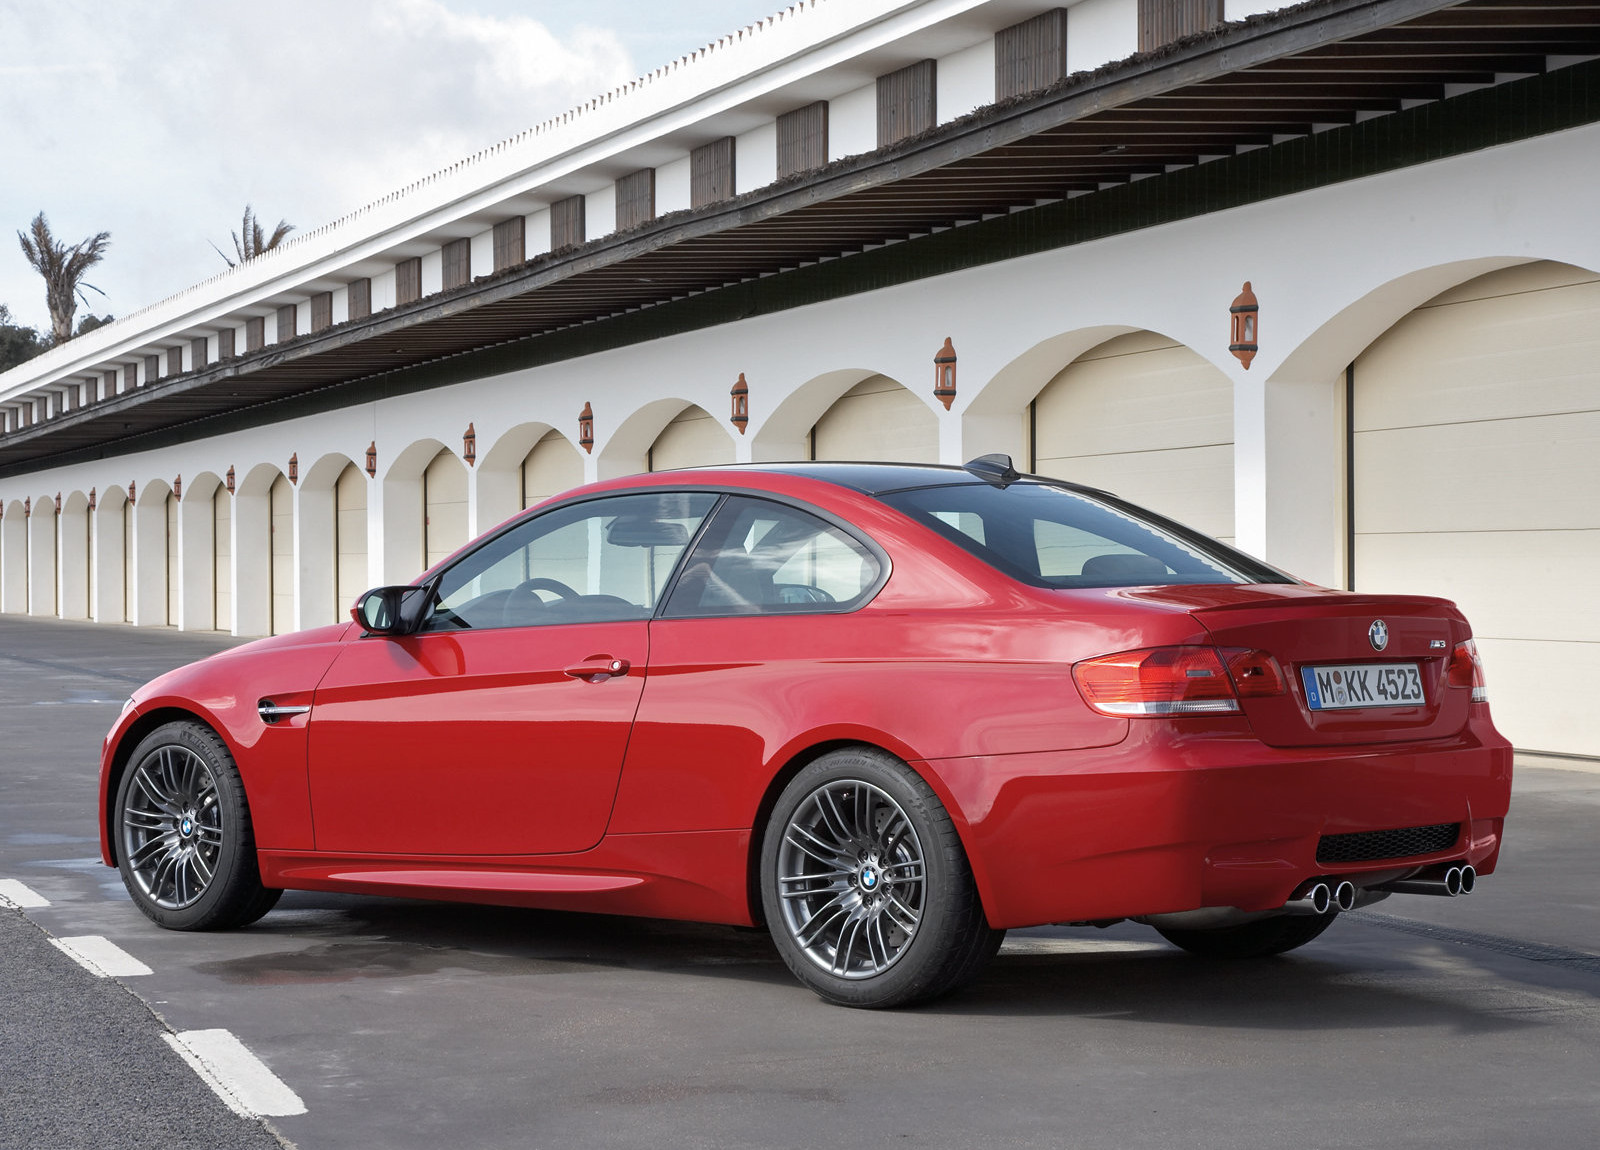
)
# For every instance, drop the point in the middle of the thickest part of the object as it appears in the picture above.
(996, 470)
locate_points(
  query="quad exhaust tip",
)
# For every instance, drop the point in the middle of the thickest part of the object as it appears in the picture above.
(1323, 896)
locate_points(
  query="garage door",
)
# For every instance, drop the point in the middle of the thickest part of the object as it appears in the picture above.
(1477, 462)
(1147, 419)
(878, 420)
(693, 439)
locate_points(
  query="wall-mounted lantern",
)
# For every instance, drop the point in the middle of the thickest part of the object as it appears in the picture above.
(586, 428)
(741, 404)
(177, 487)
(229, 479)
(58, 503)
(294, 468)
(372, 459)
(1245, 334)
(27, 508)
(130, 491)
(944, 374)
(469, 446)
(91, 499)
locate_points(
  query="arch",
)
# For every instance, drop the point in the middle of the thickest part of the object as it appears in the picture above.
(331, 529)
(1482, 406)
(148, 590)
(996, 418)
(626, 451)
(500, 471)
(445, 523)
(1338, 340)
(402, 513)
(14, 559)
(76, 557)
(112, 541)
(786, 433)
(1146, 417)
(198, 553)
(877, 419)
(42, 556)
(692, 438)
(284, 570)
(551, 467)
(253, 569)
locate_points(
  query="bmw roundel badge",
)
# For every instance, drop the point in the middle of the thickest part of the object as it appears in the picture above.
(1378, 634)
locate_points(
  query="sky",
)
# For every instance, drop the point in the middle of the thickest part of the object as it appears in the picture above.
(159, 120)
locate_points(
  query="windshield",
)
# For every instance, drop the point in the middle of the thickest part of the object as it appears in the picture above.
(1056, 537)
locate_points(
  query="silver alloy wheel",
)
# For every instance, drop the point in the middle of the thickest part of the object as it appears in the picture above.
(851, 879)
(172, 827)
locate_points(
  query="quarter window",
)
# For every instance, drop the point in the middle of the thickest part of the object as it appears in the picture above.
(765, 558)
(601, 560)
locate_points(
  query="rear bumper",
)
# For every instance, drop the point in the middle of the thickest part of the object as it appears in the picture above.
(1208, 817)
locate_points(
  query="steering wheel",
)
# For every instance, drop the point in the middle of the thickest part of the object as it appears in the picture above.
(540, 583)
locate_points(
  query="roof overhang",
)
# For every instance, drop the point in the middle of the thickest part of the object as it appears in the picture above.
(1237, 87)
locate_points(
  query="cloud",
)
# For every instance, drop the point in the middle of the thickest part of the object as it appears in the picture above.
(158, 121)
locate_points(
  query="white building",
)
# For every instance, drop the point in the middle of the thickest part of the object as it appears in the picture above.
(814, 205)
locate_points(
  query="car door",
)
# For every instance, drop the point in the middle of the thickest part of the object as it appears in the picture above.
(499, 727)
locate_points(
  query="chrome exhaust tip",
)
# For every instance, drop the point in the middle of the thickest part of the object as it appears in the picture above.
(1317, 899)
(1344, 895)
(1452, 881)
(1469, 878)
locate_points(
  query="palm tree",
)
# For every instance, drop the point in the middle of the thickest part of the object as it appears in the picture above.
(62, 268)
(250, 241)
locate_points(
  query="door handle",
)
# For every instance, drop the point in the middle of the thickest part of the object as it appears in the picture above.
(599, 668)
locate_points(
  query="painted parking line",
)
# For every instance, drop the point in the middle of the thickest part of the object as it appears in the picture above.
(237, 1076)
(100, 956)
(15, 895)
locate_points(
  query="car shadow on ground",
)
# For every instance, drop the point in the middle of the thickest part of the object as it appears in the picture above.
(1126, 973)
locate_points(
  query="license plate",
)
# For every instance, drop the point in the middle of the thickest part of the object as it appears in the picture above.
(1348, 685)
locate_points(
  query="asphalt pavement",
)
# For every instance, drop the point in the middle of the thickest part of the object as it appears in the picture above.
(1466, 1023)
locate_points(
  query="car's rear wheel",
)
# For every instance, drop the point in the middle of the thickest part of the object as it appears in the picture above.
(185, 844)
(1258, 939)
(866, 888)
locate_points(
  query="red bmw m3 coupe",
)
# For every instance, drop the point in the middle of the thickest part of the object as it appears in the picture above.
(889, 711)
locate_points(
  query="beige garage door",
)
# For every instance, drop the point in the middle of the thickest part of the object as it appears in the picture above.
(1477, 463)
(1147, 419)
(550, 468)
(693, 439)
(878, 420)
(444, 502)
(350, 540)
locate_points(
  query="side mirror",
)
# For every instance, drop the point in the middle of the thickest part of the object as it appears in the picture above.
(392, 610)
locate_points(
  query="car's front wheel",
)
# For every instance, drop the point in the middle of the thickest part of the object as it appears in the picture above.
(185, 844)
(865, 885)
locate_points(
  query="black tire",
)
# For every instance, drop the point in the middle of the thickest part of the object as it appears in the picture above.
(871, 918)
(184, 842)
(1258, 939)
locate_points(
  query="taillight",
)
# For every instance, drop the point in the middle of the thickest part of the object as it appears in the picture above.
(1176, 680)
(1255, 673)
(1466, 670)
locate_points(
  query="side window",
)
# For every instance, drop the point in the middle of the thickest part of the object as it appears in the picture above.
(764, 558)
(605, 559)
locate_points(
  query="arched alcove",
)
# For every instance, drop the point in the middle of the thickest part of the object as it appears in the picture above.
(76, 574)
(1144, 417)
(42, 556)
(692, 438)
(877, 419)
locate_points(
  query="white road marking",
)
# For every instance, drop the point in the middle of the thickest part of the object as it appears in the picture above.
(18, 897)
(239, 1078)
(100, 956)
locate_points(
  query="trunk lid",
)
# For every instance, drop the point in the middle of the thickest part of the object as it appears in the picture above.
(1330, 632)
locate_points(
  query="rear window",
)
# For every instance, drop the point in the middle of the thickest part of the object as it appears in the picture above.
(1055, 537)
